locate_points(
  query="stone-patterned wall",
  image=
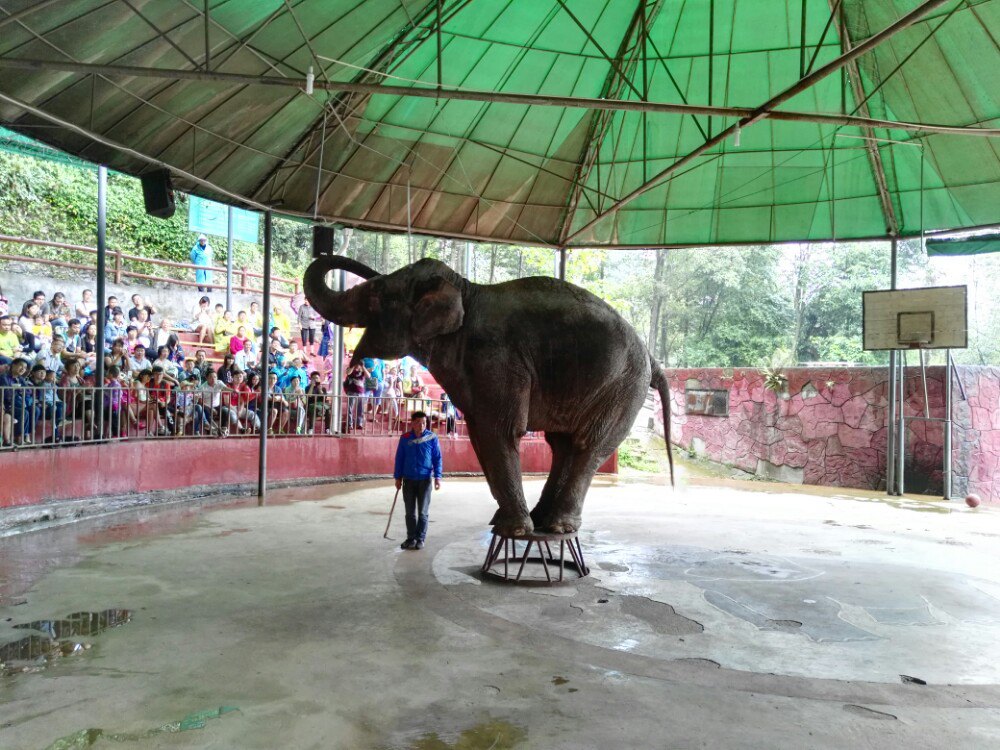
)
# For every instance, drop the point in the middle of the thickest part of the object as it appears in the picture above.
(828, 426)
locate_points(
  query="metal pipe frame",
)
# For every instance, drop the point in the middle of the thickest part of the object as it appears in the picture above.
(750, 114)
(874, 155)
(102, 257)
(265, 409)
(337, 386)
(765, 109)
(949, 373)
(890, 452)
(901, 440)
(229, 258)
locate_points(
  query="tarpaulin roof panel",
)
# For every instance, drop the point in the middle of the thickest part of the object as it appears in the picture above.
(236, 125)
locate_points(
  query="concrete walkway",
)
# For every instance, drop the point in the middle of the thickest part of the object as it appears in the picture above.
(722, 615)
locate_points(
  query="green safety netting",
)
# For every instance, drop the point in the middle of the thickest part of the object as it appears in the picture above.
(964, 245)
(15, 143)
(523, 172)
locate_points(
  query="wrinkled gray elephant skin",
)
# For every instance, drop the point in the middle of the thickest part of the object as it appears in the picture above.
(536, 354)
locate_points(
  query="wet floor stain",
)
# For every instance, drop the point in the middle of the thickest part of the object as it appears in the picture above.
(334, 507)
(86, 738)
(34, 653)
(489, 735)
(230, 532)
(869, 713)
(917, 506)
(613, 567)
(710, 663)
(784, 624)
(661, 618)
(80, 623)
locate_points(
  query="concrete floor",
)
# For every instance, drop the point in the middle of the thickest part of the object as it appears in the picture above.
(725, 614)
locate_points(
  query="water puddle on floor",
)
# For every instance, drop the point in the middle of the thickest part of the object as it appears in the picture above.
(34, 653)
(489, 735)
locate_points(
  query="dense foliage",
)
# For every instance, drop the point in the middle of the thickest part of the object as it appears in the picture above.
(761, 306)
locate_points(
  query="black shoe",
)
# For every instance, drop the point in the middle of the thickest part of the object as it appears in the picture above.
(408, 544)
(418, 545)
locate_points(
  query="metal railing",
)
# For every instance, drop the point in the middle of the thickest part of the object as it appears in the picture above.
(38, 416)
(241, 277)
(368, 415)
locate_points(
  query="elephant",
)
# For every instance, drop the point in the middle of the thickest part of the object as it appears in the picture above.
(534, 354)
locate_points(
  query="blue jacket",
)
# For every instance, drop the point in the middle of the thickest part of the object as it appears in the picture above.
(418, 457)
(285, 379)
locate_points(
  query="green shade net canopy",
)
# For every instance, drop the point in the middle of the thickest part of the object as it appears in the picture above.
(452, 118)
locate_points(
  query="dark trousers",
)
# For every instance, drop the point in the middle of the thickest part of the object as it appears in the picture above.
(416, 498)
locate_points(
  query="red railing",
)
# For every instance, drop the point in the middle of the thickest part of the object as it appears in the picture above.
(241, 276)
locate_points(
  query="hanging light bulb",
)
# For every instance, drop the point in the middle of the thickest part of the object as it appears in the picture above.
(309, 81)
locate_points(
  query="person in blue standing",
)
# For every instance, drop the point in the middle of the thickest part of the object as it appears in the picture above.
(201, 255)
(418, 461)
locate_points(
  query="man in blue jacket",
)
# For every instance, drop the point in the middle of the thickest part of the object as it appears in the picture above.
(418, 460)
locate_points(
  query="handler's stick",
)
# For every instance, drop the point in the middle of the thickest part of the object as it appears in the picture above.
(389, 522)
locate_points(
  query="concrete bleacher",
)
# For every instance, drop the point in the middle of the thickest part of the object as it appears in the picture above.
(189, 340)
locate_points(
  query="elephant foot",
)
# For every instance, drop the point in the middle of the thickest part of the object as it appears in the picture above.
(511, 524)
(559, 525)
(554, 523)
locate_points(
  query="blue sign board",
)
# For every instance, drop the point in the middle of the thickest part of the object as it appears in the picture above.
(209, 217)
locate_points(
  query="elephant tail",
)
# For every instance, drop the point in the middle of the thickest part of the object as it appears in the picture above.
(659, 382)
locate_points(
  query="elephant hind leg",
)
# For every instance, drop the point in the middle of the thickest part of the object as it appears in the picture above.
(562, 449)
(566, 510)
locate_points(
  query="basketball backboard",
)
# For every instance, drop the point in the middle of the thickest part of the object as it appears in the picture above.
(927, 318)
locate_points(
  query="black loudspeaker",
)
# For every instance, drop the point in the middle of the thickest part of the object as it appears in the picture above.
(323, 241)
(158, 194)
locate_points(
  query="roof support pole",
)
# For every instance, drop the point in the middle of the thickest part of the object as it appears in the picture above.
(891, 446)
(802, 39)
(711, 57)
(229, 257)
(265, 410)
(437, 11)
(762, 111)
(102, 300)
(208, 46)
(643, 35)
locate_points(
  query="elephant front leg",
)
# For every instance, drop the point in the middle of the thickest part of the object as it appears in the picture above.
(544, 513)
(501, 464)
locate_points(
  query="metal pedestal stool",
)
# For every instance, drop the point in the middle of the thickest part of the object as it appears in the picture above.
(503, 556)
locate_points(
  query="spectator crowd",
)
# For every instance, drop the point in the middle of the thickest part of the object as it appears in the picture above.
(152, 386)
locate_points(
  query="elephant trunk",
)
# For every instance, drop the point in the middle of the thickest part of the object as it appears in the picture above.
(344, 308)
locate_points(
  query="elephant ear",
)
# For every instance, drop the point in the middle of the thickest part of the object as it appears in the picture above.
(438, 310)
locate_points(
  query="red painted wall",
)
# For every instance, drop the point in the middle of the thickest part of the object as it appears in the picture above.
(828, 426)
(139, 466)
